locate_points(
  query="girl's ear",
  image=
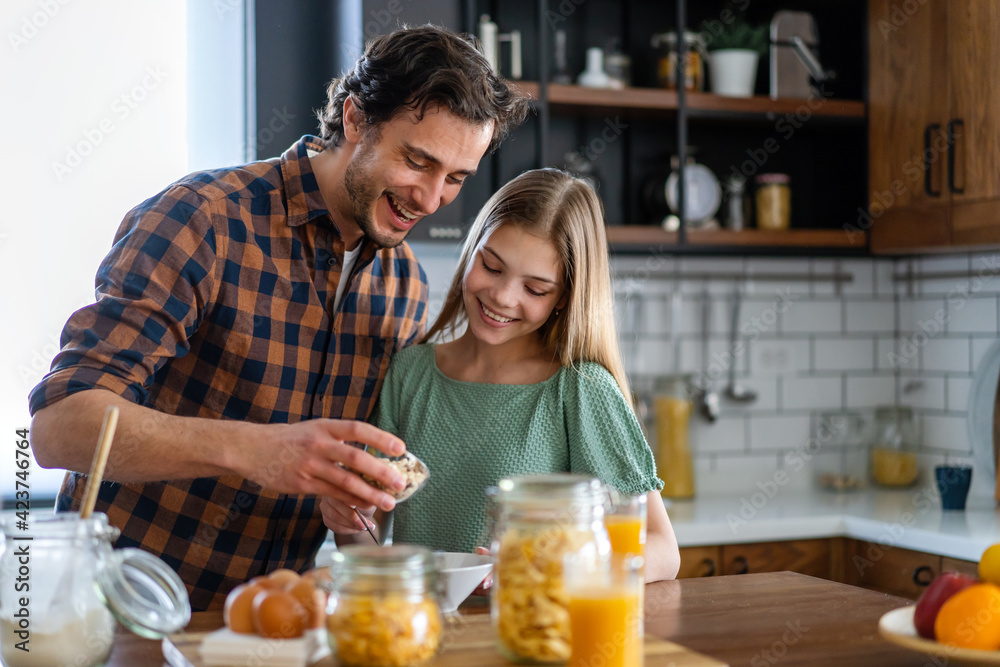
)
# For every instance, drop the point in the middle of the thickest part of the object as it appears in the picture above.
(563, 300)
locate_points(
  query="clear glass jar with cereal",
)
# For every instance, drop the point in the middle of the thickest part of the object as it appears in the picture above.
(383, 609)
(541, 519)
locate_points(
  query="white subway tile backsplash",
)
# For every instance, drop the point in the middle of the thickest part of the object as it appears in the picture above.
(844, 354)
(766, 388)
(726, 434)
(926, 315)
(864, 392)
(980, 345)
(813, 317)
(779, 432)
(958, 394)
(690, 267)
(986, 272)
(888, 357)
(812, 393)
(824, 267)
(778, 357)
(871, 316)
(929, 266)
(651, 356)
(944, 433)
(884, 270)
(926, 393)
(943, 354)
(971, 315)
(760, 287)
(863, 272)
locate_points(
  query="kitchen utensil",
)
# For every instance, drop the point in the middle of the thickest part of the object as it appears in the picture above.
(793, 60)
(99, 462)
(365, 521)
(708, 399)
(737, 392)
(896, 627)
(982, 414)
(702, 193)
(561, 74)
(490, 37)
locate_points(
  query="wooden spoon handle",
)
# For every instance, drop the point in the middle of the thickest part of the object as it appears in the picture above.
(100, 460)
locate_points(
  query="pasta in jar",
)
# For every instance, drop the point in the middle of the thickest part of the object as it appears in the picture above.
(385, 631)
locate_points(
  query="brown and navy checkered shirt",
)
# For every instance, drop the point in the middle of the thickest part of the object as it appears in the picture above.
(217, 301)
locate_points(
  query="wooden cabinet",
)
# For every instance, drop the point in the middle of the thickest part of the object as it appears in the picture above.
(699, 562)
(812, 557)
(934, 135)
(968, 567)
(889, 569)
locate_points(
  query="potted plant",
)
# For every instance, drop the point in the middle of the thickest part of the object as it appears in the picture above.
(733, 55)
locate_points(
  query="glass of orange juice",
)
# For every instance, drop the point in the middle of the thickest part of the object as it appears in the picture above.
(605, 610)
(625, 522)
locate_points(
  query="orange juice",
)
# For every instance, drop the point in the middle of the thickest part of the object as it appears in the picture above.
(604, 622)
(626, 534)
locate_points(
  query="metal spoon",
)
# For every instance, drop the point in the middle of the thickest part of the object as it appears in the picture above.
(737, 392)
(708, 399)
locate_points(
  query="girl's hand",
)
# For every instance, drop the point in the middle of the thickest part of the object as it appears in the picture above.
(487, 583)
(341, 517)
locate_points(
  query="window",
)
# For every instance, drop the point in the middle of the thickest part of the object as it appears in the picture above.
(104, 105)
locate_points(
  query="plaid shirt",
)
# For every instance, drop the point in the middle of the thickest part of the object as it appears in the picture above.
(217, 301)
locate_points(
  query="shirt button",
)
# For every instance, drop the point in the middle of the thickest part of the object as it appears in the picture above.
(332, 261)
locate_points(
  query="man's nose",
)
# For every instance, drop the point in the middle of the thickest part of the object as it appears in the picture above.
(430, 194)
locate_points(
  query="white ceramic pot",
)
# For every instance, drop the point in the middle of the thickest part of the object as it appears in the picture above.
(734, 72)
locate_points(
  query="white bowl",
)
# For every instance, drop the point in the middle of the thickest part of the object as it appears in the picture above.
(461, 574)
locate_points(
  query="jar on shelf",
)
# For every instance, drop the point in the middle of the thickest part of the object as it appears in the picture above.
(842, 459)
(893, 449)
(774, 202)
(383, 609)
(672, 408)
(694, 63)
(541, 519)
(77, 587)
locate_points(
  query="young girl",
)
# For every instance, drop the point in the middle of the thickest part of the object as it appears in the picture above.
(534, 383)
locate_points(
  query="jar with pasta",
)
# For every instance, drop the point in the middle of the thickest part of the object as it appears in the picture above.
(894, 461)
(541, 519)
(383, 610)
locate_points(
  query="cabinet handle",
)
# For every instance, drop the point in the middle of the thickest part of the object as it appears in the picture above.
(952, 124)
(744, 566)
(920, 580)
(710, 567)
(928, 132)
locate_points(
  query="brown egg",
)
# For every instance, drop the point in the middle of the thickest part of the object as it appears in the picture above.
(313, 599)
(238, 612)
(264, 581)
(278, 615)
(284, 578)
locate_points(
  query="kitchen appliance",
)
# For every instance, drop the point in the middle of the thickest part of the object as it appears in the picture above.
(702, 196)
(794, 60)
(491, 37)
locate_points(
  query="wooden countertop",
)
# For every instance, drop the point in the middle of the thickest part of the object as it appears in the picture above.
(750, 619)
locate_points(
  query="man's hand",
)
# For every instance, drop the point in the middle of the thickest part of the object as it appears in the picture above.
(317, 457)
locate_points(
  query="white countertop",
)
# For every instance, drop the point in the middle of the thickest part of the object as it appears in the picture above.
(911, 519)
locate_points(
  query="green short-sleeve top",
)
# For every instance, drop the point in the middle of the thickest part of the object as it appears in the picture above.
(471, 435)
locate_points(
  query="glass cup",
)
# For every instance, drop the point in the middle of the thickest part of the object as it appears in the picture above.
(626, 524)
(953, 484)
(605, 610)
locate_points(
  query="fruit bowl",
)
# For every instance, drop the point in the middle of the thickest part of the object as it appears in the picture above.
(461, 573)
(897, 627)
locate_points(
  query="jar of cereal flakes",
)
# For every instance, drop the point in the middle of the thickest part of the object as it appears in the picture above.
(541, 519)
(383, 610)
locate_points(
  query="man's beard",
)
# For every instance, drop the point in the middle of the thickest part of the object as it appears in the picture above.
(363, 195)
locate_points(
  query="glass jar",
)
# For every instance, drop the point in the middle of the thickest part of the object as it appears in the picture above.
(841, 461)
(666, 63)
(672, 407)
(541, 519)
(383, 609)
(63, 588)
(774, 202)
(893, 449)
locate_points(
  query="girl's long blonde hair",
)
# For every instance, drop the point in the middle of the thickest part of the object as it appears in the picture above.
(566, 211)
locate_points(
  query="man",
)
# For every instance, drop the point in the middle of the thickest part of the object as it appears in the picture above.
(245, 318)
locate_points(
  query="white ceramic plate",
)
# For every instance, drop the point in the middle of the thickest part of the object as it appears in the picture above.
(896, 627)
(982, 399)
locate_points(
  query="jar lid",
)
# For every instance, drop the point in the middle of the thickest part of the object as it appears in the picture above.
(782, 179)
(408, 565)
(558, 488)
(143, 593)
(691, 38)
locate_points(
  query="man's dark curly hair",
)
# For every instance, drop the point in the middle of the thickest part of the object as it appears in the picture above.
(417, 68)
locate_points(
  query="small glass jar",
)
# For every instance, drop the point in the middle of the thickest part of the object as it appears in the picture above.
(841, 462)
(666, 64)
(383, 609)
(774, 202)
(541, 519)
(672, 407)
(893, 450)
(64, 587)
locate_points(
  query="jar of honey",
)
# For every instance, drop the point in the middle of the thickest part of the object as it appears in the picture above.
(774, 202)
(383, 609)
(893, 457)
(672, 407)
(541, 520)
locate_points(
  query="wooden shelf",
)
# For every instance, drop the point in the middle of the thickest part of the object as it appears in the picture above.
(648, 237)
(699, 104)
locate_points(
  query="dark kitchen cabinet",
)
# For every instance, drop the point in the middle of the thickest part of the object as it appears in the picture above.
(934, 135)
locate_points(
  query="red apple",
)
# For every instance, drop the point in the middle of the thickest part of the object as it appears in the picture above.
(943, 587)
